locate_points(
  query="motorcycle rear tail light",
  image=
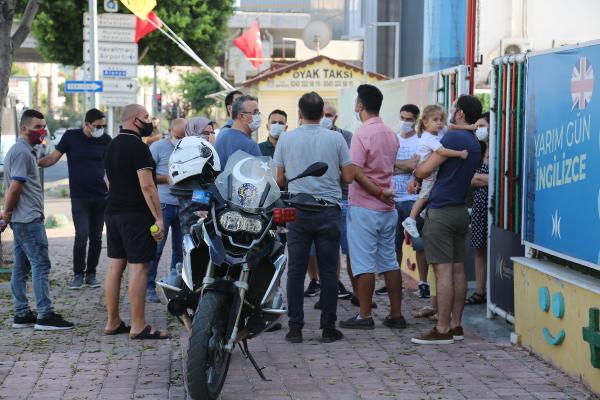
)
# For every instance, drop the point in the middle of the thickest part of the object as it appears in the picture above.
(282, 216)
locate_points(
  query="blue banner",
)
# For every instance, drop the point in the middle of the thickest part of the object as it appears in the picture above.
(562, 165)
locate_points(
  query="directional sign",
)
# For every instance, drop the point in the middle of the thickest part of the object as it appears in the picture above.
(111, 6)
(83, 86)
(114, 70)
(113, 53)
(117, 99)
(112, 20)
(111, 35)
(120, 85)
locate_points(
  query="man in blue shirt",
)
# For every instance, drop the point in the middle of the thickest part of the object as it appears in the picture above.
(447, 221)
(85, 150)
(246, 119)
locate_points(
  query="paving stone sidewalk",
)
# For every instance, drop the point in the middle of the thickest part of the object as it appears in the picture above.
(379, 364)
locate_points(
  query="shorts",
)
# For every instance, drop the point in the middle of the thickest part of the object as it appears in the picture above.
(444, 234)
(427, 185)
(128, 237)
(343, 231)
(372, 236)
(403, 208)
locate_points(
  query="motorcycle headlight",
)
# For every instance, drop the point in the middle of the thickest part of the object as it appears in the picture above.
(234, 221)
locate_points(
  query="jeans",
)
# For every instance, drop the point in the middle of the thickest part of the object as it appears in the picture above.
(30, 247)
(88, 218)
(171, 220)
(322, 227)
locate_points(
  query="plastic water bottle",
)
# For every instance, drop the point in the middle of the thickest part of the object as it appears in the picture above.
(154, 229)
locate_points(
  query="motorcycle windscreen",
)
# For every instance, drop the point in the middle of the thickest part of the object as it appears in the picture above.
(216, 250)
(249, 181)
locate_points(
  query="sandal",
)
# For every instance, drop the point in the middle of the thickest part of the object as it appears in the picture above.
(122, 328)
(425, 312)
(476, 298)
(433, 317)
(147, 333)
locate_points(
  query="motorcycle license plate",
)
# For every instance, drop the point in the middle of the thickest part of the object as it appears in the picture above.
(201, 196)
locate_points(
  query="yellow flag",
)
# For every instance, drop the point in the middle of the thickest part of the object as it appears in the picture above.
(140, 8)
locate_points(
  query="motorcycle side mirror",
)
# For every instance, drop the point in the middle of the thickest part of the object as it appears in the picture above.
(317, 169)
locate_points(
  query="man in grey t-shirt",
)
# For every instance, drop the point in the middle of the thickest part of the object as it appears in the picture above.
(161, 152)
(295, 151)
(24, 211)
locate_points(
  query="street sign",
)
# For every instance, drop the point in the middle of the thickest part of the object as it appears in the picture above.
(115, 70)
(111, 6)
(111, 35)
(113, 53)
(120, 85)
(83, 86)
(117, 99)
(112, 20)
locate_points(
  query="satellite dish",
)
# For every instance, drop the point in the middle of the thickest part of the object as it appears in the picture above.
(317, 35)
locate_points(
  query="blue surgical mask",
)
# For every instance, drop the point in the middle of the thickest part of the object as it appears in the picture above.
(255, 124)
(406, 126)
(275, 130)
(326, 122)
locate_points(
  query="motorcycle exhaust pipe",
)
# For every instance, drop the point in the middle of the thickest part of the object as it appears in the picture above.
(177, 308)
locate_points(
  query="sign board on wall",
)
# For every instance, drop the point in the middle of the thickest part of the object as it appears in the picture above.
(562, 153)
(324, 77)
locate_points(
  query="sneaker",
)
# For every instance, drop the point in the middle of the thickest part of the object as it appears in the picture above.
(354, 301)
(294, 335)
(318, 305)
(312, 289)
(457, 333)
(410, 225)
(91, 281)
(26, 321)
(53, 322)
(331, 335)
(434, 337)
(395, 323)
(77, 282)
(151, 296)
(423, 291)
(382, 291)
(355, 323)
(342, 292)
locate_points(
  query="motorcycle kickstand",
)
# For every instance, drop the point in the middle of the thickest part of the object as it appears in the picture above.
(249, 356)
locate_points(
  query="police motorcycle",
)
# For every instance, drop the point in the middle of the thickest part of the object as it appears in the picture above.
(227, 291)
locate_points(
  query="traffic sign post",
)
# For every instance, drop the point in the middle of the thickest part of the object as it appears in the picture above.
(83, 87)
(120, 85)
(106, 34)
(115, 70)
(118, 53)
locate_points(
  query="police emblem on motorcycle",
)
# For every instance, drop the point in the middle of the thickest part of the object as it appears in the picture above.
(247, 194)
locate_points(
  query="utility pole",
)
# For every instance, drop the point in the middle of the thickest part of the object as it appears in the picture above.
(93, 13)
(154, 93)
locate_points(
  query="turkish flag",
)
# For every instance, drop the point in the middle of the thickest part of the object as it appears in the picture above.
(143, 27)
(250, 44)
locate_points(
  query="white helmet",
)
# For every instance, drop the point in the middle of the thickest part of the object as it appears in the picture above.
(192, 156)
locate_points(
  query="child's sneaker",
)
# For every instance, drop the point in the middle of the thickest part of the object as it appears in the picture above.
(411, 227)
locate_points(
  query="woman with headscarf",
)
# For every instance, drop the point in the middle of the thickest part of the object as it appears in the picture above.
(200, 126)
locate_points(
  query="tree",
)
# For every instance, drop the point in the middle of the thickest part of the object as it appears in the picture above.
(9, 41)
(196, 86)
(200, 23)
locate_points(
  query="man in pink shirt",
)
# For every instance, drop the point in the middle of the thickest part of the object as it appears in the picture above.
(372, 217)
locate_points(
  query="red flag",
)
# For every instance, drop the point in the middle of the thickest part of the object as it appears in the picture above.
(250, 44)
(143, 26)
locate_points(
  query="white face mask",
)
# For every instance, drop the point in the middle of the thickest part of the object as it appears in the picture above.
(275, 130)
(326, 122)
(482, 133)
(255, 124)
(357, 116)
(97, 132)
(406, 126)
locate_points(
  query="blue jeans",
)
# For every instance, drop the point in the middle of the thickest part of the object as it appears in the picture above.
(322, 227)
(30, 247)
(171, 221)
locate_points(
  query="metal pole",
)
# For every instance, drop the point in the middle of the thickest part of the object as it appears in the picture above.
(366, 76)
(154, 93)
(111, 120)
(397, 55)
(93, 12)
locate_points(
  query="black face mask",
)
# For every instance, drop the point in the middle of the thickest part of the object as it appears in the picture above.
(146, 129)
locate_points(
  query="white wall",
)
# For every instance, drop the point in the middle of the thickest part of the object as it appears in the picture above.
(542, 22)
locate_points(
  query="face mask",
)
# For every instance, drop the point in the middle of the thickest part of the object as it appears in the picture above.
(146, 129)
(97, 132)
(482, 133)
(326, 122)
(37, 136)
(275, 130)
(255, 124)
(357, 114)
(406, 126)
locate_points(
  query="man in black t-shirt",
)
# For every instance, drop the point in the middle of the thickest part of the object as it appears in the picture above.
(85, 150)
(133, 208)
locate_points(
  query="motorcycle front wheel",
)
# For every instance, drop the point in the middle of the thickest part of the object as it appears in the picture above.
(208, 361)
